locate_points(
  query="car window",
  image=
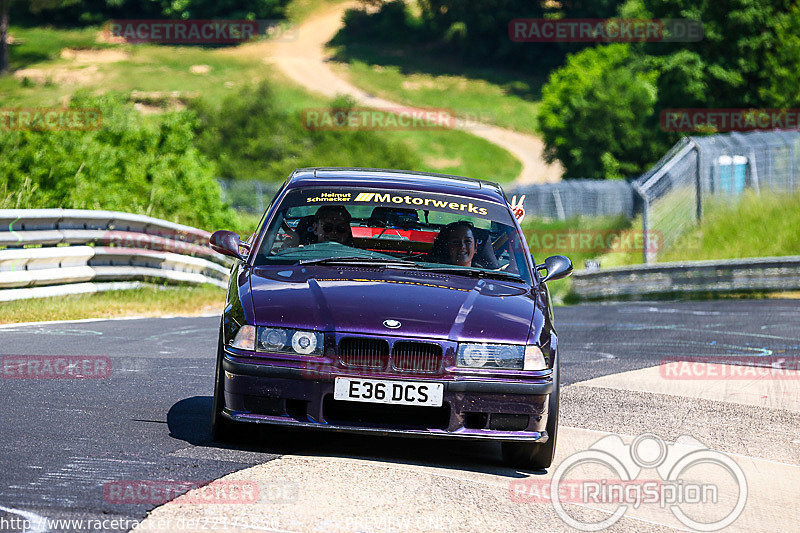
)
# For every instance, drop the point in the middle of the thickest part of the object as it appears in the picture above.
(434, 231)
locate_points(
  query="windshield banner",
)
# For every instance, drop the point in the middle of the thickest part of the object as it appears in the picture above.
(446, 203)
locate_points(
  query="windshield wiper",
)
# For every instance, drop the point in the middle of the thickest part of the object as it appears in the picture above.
(359, 260)
(461, 271)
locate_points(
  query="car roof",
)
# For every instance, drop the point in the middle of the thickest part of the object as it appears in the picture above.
(396, 179)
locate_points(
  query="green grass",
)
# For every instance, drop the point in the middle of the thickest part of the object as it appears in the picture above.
(146, 301)
(148, 68)
(459, 153)
(34, 45)
(753, 226)
(402, 76)
(166, 69)
(577, 238)
(299, 10)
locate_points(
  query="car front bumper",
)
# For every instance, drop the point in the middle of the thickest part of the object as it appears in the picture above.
(504, 410)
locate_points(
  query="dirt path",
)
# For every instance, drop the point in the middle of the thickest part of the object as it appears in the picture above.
(305, 61)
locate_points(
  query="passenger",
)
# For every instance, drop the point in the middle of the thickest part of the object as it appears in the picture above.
(455, 244)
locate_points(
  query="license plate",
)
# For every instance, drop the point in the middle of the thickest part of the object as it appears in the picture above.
(386, 391)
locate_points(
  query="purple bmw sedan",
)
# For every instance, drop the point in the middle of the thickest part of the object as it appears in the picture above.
(390, 302)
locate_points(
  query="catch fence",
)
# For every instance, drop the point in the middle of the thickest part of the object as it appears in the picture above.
(699, 169)
(563, 200)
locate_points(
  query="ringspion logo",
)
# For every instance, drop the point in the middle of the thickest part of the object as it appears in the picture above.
(610, 475)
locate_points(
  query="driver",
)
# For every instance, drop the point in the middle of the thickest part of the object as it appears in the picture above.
(332, 223)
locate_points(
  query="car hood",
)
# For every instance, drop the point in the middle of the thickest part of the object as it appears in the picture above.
(357, 299)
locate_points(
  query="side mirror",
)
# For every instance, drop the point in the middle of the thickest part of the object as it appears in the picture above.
(228, 243)
(557, 267)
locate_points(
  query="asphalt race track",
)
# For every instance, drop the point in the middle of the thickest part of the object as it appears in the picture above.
(64, 440)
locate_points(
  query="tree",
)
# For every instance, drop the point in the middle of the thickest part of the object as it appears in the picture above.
(4, 4)
(597, 114)
(5, 8)
(748, 56)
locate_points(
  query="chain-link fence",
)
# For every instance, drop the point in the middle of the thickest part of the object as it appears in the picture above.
(250, 196)
(576, 197)
(699, 168)
(567, 199)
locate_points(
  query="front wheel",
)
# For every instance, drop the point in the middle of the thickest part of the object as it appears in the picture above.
(531, 455)
(222, 429)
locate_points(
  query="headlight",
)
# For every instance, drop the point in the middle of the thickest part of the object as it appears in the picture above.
(508, 356)
(305, 342)
(271, 339)
(279, 340)
(290, 341)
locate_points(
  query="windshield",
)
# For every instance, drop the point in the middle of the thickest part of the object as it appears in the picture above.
(402, 229)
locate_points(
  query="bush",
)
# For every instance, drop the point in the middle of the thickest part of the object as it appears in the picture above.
(79, 12)
(391, 23)
(250, 137)
(136, 164)
(597, 114)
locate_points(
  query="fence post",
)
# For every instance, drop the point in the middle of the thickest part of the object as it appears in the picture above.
(260, 201)
(698, 182)
(754, 171)
(646, 257)
(559, 205)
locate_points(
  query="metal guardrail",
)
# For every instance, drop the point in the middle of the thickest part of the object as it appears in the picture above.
(732, 275)
(44, 250)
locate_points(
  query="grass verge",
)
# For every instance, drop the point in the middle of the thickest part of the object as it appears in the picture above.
(753, 225)
(500, 103)
(159, 77)
(608, 239)
(149, 300)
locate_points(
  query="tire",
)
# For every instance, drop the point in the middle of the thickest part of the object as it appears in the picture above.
(531, 455)
(222, 429)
